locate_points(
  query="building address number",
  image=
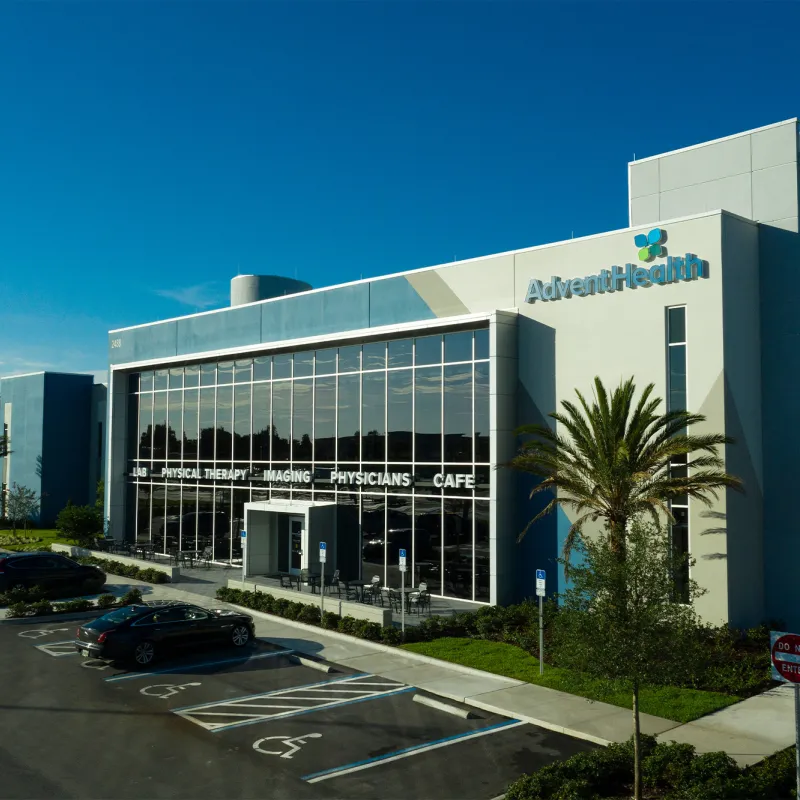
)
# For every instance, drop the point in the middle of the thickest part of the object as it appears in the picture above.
(116, 343)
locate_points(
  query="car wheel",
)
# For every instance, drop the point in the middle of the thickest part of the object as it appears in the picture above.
(144, 654)
(240, 635)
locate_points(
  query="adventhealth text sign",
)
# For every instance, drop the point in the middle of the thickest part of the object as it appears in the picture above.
(630, 276)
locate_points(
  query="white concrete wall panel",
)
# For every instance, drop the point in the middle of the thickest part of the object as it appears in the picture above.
(732, 194)
(775, 193)
(644, 178)
(473, 281)
(644, 210)
(702, 164)
(774, 146)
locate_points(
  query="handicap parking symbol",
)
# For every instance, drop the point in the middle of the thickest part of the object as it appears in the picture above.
(165, 690)
(38, 633)
(294, 744)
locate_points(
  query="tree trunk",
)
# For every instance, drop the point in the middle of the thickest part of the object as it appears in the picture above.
(637, 756)
(618, 532)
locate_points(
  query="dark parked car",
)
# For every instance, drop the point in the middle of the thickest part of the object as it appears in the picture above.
(146, 631)
(57, 574)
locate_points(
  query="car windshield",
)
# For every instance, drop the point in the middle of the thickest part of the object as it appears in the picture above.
(122, 614)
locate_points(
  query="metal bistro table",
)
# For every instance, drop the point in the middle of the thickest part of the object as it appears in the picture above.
(147, 551)
(189, 555)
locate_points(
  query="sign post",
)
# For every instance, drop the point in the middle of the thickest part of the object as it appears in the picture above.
(540, 579)
(403, 568)
(785, 652)
(243, 534)
(323, 556)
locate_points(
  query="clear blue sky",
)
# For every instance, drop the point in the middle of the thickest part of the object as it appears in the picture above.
(152, 150)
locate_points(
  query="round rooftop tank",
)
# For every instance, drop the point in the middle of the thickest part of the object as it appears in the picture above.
(251, 288)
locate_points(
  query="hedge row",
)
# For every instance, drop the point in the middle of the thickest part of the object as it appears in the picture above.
(669, 772)
(112, 567)
(40, 607)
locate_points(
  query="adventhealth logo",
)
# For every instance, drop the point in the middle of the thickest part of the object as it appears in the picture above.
(650, 244)
(630, 276)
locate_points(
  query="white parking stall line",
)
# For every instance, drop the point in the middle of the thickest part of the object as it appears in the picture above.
(286, 702)
(58, 649)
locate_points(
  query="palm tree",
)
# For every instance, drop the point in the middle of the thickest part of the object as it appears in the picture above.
(613, 461)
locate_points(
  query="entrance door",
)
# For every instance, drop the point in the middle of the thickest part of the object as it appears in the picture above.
(295, 544)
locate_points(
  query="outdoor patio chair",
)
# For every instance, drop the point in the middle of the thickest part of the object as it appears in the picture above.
(288, 581)
(421, 598)
(332, 583)
(372, 590)
(394, 598)
(207, 556)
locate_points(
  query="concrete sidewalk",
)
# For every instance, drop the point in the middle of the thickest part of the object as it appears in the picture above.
(748, 731)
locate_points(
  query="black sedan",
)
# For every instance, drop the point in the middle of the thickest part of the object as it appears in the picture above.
(54, 573)
(143, 632)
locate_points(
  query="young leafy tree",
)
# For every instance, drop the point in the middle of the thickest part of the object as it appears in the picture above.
(22, 503)
(618, 621)
(611, 459)
(81, 524)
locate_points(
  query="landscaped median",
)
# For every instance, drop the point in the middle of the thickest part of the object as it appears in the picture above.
(500, 640)
(34, 603)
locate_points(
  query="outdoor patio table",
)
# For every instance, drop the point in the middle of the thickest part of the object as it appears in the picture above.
(190, 556)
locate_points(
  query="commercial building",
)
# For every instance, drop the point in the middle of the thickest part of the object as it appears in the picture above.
(55, 424)
(376, 415)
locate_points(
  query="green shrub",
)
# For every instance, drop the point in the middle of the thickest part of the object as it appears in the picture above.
(106, 601)
(80, 524)
(309, 615)
(330, 621)
(74, 605)
(131, 597)
(112, 567)
(391, 636)
(666, 765)
(41, 607)
(18, 609)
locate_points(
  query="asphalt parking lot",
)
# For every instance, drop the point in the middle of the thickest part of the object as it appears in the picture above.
(232, 724)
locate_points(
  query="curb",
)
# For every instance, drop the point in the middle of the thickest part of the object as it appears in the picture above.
(440, 706)
(470, 701)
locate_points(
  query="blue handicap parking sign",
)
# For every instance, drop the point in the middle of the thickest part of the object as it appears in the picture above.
(402, 553)
(243, 534)
(322, 546)
(539, 574)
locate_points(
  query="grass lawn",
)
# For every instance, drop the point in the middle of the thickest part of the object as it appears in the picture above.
(45, 536)
(681, 705)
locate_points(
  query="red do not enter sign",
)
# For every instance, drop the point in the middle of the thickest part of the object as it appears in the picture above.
(786, 657)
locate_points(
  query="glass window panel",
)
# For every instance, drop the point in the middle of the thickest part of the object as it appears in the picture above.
(161, 380)
(373, 355)
(482, 412)
(241, 423)
(348, 410)
(224, 449)
(401, 353)
(482, 344)
(158, 517)
(397, 487)
(373, 410)
(458, 551)
(428, 350)
(373, 537)
(262, 368)
(677, 378)
(482, 557)
(160, 425)
(281, 420)
(208, 374)
(428, 414)
(482, 478)
(400, 414)
(205, 517)
(458, 346)
(262, 402)
(132, 435)
(146, 382)
(225, 372)
(191, 376)
(243, 370)
(190, 423)
(133, 382)
(146, 426)
(676, 318)
(680, 546)
(304, 364)
(325, 419)
(349, 358)
(131, 506)
(175, 424)
(176, 378)
(172, 522)
(458, 413)
(189, 518)
(143, 512)
(423, 479)
(222, 524)
(282, 366)
(325, 361)
(302, 420)
(399, 527)
(428, 543)
(207, 424)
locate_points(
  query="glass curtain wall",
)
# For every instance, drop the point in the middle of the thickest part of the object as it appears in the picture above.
(416, 406)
